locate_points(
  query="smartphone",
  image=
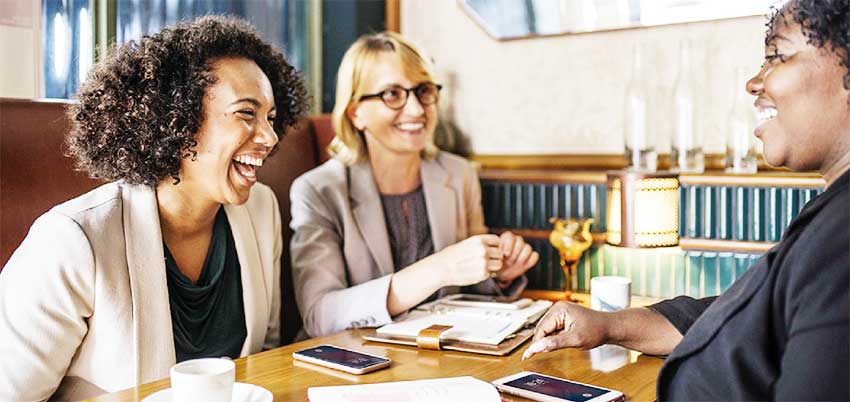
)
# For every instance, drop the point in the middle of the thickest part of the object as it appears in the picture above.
(544, 388)
(482, 301)
(338, 358)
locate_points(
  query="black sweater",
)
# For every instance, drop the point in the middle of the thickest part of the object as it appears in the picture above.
(781, 331)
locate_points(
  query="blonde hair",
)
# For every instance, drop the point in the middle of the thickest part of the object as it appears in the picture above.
(348, 145)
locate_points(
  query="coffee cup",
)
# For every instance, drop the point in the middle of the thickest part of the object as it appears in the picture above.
(209, 380)
(610, 293)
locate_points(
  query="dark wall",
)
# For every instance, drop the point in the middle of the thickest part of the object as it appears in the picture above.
(343, 21)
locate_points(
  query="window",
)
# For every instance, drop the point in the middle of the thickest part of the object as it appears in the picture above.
(69, 42)
(68, 45)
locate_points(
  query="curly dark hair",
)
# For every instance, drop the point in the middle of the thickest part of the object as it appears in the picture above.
(824, 23)
(139, 111)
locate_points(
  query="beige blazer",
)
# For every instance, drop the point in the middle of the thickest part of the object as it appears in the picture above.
(84, 300)
(341, 257)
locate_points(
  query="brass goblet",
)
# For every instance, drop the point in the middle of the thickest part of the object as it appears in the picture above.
(571, 237)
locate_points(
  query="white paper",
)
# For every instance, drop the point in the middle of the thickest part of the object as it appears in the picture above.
(454, 389)
(466, 328)
(469, 324)
(528, 314)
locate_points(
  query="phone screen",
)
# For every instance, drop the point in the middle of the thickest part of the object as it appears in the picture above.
(342, 356)
(556, 388)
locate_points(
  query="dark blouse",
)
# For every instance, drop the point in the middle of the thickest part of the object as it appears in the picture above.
(781, 332)
(207, 317)
(409, 230)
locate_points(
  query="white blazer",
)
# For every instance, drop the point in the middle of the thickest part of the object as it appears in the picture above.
(84, 302)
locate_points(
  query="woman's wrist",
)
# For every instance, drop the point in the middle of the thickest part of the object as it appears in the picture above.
(613, 326)
(433, 273)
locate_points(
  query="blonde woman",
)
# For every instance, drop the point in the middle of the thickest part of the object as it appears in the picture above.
(391, 221)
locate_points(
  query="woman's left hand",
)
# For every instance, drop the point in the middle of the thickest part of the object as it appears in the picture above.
(517, 257)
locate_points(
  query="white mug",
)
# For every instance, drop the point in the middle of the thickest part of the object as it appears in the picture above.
(209, 380)
(610, 293)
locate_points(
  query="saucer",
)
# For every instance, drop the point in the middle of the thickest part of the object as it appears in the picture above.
(242, 392)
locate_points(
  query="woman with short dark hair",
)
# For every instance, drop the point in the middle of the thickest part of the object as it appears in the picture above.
(781, 331)
(178, 256)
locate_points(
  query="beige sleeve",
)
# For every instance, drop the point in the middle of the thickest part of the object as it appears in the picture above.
(273, 332)
(325, 298)
(46, 297)
(475, 212)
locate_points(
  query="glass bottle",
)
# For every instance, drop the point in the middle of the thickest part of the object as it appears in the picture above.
(639, 141)
(741, 152)
(686, 153)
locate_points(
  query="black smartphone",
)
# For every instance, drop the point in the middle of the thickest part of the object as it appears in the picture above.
(342, 359)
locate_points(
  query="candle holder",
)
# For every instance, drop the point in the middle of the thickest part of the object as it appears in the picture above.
(571, 237)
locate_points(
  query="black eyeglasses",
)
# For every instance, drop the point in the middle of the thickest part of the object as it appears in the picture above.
(395, 97)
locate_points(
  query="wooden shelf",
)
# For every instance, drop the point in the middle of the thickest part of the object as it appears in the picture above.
(725, 245)
(583, 298)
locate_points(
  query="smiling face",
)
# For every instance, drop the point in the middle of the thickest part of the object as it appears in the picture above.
(235, 136)
(804, 109)
(404, 131)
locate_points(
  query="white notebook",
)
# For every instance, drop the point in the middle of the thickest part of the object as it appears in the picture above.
(466, 328)
(469, 324)
(454, 389)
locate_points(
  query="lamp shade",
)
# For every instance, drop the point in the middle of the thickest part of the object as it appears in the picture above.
(643, 209)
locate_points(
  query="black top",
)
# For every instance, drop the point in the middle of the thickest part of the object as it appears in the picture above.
(208, 318)
(408, 227)
(781, 331)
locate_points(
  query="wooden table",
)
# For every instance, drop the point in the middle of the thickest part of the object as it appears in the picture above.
(629, 372)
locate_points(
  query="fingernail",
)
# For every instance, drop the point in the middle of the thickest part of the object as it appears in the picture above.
(533, 349)
(536, 347)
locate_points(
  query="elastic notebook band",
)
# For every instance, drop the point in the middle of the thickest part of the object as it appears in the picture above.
(429, 338)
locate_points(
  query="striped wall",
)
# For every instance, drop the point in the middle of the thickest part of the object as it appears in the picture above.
(739, 213)
(530, 205)
(663, 272)
(756, 214)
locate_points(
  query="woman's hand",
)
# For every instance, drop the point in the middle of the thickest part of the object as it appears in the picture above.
(517, 257)
(464, 263)
(469, 261)
(569, 325)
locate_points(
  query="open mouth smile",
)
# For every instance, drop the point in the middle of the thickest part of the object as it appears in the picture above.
(247, 166)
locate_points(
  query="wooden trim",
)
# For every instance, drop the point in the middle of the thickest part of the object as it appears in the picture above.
(767, 179)
(314, 53)
(544, 176)
(724, 245)
(392, 13)
(553, 295)
(540, 234)
(587, 162)
(685, 243)
(714, 163)
(581, 298)
(761, 179)
(104, 26)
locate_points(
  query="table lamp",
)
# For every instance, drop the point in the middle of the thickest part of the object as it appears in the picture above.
(642, 209)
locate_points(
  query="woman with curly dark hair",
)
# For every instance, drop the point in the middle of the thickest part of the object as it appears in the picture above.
(178, 256)
(781, 331)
